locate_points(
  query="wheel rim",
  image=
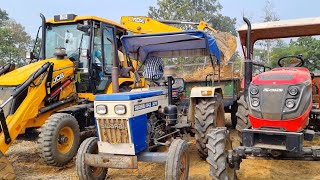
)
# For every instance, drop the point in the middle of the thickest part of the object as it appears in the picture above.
(183, 166)
(65, 140)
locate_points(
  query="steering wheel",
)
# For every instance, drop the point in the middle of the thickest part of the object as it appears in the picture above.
(298, 63)
(166, 82)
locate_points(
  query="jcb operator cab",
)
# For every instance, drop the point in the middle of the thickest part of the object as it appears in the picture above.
(91, 43)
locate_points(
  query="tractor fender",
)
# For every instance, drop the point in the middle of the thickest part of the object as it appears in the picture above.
(198, 93)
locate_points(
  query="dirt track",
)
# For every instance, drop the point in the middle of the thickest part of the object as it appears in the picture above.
(28, 165)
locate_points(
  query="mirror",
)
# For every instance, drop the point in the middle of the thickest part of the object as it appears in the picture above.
(29, 55)
(83, 28)
(84, 53)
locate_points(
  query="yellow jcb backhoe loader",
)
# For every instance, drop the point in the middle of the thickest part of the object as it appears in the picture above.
(56, 89)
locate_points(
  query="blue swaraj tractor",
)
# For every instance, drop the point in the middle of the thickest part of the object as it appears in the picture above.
(132, 126)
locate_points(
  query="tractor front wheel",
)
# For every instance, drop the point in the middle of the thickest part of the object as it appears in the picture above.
(209, 114)
(219, 144)
(59, 139)
(242, 117)
(178, 161)
(84, 171)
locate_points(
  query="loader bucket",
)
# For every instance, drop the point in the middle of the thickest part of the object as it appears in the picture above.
(227, 43)
(6, 169)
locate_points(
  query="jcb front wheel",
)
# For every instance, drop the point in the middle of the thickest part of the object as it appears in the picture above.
(6, 169)
(59, 139)
(84, 171)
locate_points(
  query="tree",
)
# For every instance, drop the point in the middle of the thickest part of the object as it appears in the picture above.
(307, 46)
(3, 16)
(195, 11)
(14, 41)
(266, 45)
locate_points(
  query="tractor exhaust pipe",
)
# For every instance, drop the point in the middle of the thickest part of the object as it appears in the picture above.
(248, 60)
(43, 40)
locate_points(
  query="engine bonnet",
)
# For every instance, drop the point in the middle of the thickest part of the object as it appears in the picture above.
(20, 75)
(285, 75)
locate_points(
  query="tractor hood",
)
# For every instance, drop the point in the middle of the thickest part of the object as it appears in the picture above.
(286, 75)
(20, 75)
(279, 97)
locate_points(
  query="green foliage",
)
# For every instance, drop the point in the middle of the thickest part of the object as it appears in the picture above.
(194, 11)
(307, 46)
(14, 41)
(263, 54)
(3, 16)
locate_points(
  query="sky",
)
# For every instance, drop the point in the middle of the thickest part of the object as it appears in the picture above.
(27, 12)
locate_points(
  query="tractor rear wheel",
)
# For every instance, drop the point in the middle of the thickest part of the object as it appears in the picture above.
(242, 115)
(178, 161)
(6, 169)
(84, 171)
(219, 144)
(59, 139)
(209, 114)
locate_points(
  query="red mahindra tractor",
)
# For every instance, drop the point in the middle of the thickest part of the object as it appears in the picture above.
(276, 108)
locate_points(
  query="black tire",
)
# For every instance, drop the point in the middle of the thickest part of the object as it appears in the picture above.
(84, 171)
(218, 145)
(6, 169)
(209, 114)
(53, 151)
(178, 161)
(234, 119)
(242, 115)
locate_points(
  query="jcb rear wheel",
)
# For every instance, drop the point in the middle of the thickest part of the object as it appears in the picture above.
(219, 144)
(6, 169)
(177, 165)
(86, 172)
(209, 113)
(59, 139)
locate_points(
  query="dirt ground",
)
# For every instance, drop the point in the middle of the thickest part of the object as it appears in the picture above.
(28, 165)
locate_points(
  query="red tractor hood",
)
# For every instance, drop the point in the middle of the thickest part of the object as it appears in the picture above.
(284, 75)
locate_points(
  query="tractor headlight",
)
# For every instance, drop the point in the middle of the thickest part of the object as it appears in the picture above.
(255, 102)
(120, 109)
(290, 103)
(101, 109)
(293, 91)
(254, 91)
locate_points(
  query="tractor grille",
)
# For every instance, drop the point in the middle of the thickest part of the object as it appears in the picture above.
(114, 131)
